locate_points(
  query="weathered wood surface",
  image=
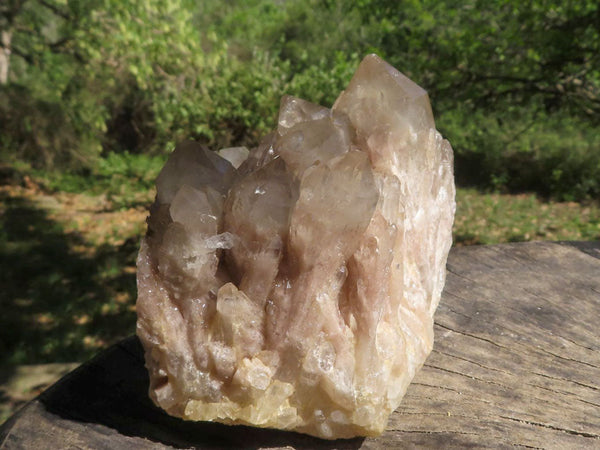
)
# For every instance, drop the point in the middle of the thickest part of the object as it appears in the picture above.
(516, 362)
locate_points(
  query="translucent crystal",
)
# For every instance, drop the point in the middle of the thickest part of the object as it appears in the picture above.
(293, 285)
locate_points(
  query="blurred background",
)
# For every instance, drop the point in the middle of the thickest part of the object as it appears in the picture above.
(94, 94)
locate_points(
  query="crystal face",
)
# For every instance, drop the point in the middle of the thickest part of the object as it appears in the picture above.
(293, 286)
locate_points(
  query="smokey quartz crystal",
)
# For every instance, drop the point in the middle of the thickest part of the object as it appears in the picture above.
(293, 286)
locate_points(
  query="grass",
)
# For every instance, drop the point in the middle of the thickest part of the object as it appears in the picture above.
(68, 245)
(123, 179)
(67, 259)
(68, 288)
(491, 218)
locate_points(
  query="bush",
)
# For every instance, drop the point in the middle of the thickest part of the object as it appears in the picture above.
(553, 155)
(42, 132)
(514, 86)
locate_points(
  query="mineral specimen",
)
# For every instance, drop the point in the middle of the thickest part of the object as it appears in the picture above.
(294, 287)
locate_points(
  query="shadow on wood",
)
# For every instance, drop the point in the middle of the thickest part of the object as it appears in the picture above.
(106, 400)
(516, 362)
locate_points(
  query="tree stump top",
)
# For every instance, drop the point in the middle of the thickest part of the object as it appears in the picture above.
(516, 361)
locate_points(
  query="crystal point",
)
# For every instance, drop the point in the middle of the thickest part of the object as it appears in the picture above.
(293, 286)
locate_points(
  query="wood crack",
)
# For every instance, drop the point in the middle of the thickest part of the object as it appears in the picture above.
(469, 433)
(459, 275)
(446, 306)
(489, 341)
(568, 380)
(419, 413)
(552, 427)
(521, 344)
(443, 369)
(526, 446)
(559, 402)
(445, 388)
(471, 362)
(567, 359)
(577, 344)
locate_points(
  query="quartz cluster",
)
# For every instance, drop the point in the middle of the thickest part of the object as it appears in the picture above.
(293, 286)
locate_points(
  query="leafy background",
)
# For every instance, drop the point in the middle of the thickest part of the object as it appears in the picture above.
(515, 85)
(94, 94)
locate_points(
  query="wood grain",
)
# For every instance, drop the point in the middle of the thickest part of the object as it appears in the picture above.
(516, 362)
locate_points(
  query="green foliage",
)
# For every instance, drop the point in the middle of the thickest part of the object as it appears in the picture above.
(491, 218)
(552, 154)
(123, 178)
(515, 85)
